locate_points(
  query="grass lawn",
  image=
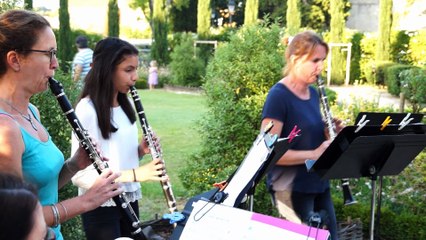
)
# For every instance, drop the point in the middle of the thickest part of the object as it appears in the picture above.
(172, 117)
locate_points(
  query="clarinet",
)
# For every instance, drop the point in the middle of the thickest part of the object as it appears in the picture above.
(347, 195)
(84, 139)
(156, 152)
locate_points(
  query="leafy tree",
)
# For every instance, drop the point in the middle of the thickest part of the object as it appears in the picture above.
(293, 17)
(251, 12)
(385, 26)
(337, 25)
(113, 19)
(65, 43)
(203, 18)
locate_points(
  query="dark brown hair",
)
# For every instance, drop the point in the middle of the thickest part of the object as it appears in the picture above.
(18, 31)
(18, 202)
(108, 54)
(302, 44)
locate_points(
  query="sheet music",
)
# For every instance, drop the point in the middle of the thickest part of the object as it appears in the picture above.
(216, 221)
(247, 170)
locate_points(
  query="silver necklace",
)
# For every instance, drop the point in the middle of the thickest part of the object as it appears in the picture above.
(28, 118)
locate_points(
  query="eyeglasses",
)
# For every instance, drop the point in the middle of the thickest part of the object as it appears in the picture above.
(51, 53)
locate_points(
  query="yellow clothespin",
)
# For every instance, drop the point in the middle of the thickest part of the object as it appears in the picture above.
(405, 121)
(362, 122)
(385, 123)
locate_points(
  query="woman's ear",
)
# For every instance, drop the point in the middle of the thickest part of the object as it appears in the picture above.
(12, 59)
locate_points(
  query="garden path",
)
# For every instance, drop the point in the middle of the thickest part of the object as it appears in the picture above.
(348, 94)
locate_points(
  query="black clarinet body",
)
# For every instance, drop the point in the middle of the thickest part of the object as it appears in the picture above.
(85, 141)
(347, 195)
(156, 152)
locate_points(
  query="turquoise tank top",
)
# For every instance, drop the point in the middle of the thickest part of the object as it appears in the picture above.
(41, 165)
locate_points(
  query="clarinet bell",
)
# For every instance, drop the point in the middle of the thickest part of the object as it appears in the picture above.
(348, 199)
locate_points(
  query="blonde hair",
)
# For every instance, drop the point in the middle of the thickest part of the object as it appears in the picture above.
(153, 63)
(302, 44)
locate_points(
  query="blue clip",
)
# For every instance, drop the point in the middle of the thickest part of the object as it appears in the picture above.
(174, 217)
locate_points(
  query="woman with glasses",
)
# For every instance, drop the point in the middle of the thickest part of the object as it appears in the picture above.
(27, 61)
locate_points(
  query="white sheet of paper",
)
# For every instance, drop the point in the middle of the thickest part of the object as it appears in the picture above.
(216, 221)
(248, 168)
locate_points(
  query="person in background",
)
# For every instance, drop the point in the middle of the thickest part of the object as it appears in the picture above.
(27, 61)
(293, 101)
(107, 113)
(82, 61)
(21, 213)
(153, 74)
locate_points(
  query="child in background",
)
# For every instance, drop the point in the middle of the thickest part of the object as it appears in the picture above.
(153, 74)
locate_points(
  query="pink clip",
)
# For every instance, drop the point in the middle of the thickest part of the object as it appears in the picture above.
(294, 133)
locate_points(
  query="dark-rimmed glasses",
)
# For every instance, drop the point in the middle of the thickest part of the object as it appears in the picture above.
(51, 53)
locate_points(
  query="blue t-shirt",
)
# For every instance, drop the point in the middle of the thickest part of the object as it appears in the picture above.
(41, 165)
(281, 104)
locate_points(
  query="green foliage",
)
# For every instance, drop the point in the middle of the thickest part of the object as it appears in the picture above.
(392, 77)
(356, 53)
(8, 4)
(293, 17)
(203, 18)
(400, 47)
(251, 12)
(417, 49)
(368, 56)
(113, 19)
(379, 76)
(413, 85)
(28, 4)
(237, 81)
(187, 69)
(159, 48)
(337, 25)
(385, 26)
(59, 129)
(65, 43)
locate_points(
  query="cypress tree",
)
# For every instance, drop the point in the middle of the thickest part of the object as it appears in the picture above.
(293, 17)
(203, 18)
(251, 12)
(65, 41)
(337, 25)
(385, 26)
(113, 19)
(159, 46)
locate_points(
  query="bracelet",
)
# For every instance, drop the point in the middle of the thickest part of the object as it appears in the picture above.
(56, 215)
(134, 175)
(65, 211)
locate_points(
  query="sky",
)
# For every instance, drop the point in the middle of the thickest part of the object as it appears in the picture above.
(50, 4)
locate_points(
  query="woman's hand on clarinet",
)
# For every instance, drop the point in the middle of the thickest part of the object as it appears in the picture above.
(144, 147)
(154, 171)
(102, 189)
(338, 124)
(80, 160)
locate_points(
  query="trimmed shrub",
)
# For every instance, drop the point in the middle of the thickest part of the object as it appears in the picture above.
(186, 69)
(237, 81)
(392, 78)
(413, 85)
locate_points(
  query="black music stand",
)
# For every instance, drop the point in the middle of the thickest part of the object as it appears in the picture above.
(278, 148)
(371, 151)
